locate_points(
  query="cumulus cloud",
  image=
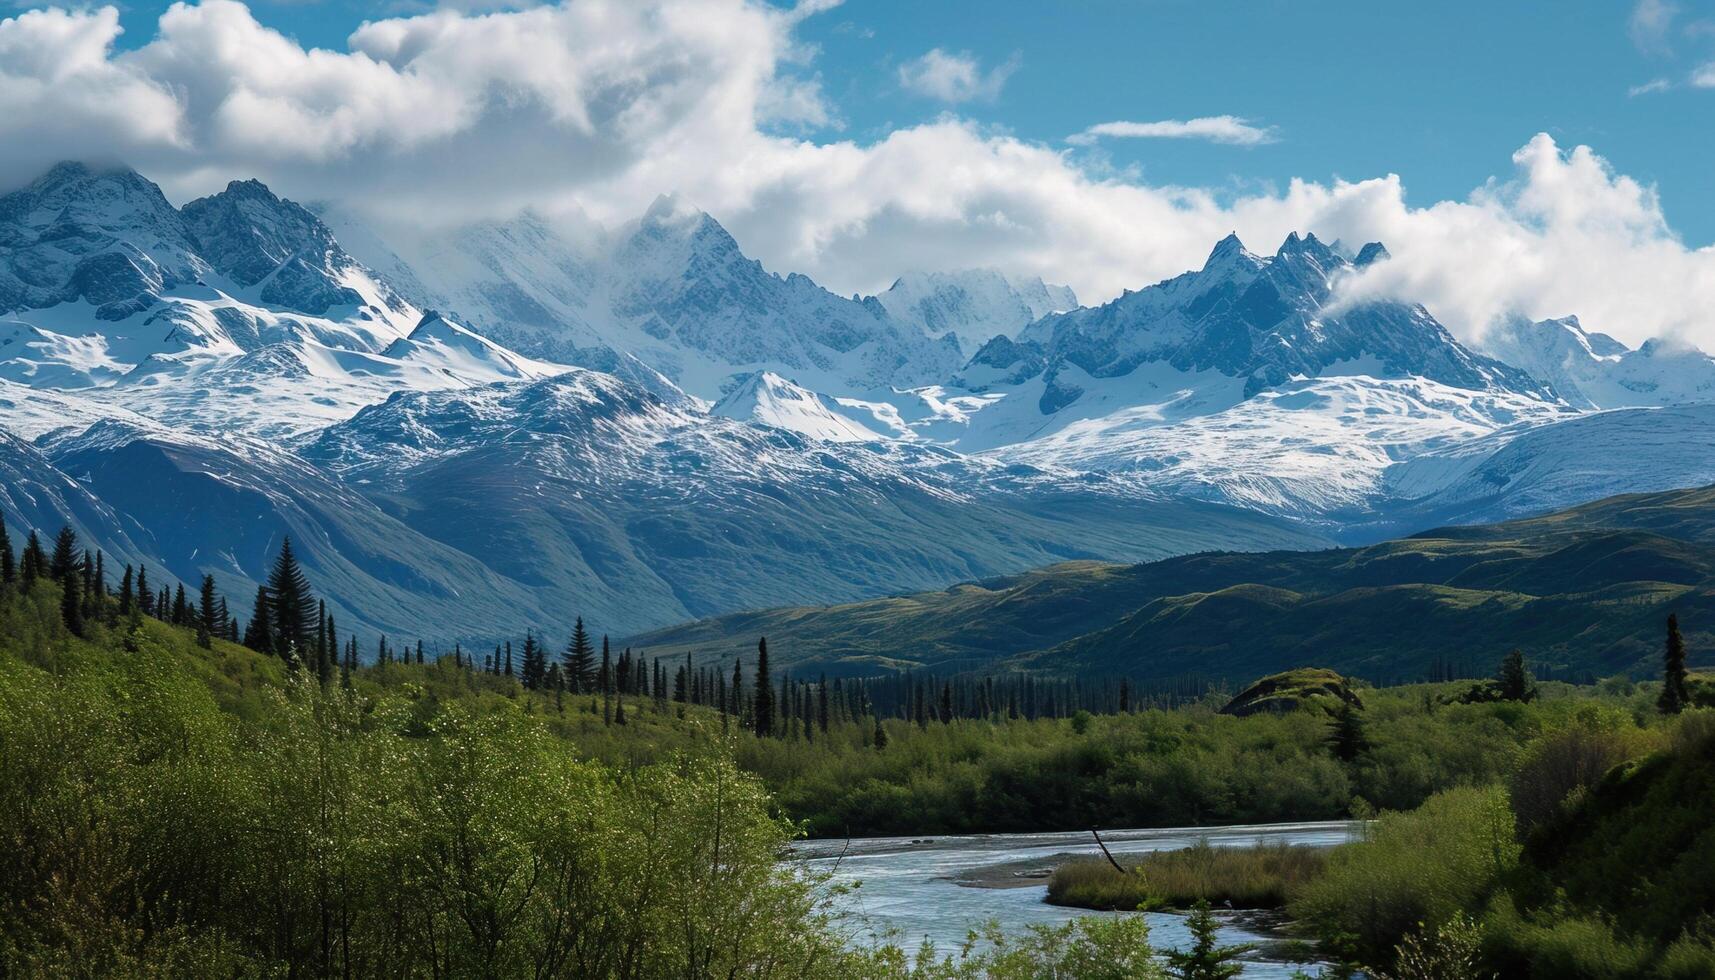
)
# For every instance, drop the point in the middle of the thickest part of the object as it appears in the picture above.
(1214, 129)
(1704, 77)
(597, 106)
(954, 77)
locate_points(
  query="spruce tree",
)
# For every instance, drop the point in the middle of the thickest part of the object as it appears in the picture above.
(145, 597)
(1515, 682)
(762, 701)
(534, 670)
(259, 635)
(293, 606)
(8, 564)
(127, 595)
(1206, 959)
(1346, 734)
(580, 660)
(181, 607)
(1675, 692)
(67, 560)
(207, 623)
(332, 646)
(736, 691)
(35, 561)
(880, 736)
(71, 603)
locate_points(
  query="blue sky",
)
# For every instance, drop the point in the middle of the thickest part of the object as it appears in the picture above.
(1440, 93)
(1548, 163)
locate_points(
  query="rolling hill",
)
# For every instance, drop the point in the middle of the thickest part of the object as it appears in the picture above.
(1583, 590)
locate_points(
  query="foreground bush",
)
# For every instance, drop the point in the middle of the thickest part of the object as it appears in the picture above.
(144, 830)
(1423, 866)
(1258, 877)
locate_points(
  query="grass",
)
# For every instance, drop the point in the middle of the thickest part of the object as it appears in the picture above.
(1259, 877)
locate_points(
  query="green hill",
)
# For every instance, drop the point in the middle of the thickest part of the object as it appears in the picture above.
(1583, 590)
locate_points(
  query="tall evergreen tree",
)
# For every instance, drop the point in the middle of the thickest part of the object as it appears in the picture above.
(535, 668)
(181, 607)
(67, 560)
(332, 642)
(8, 564)
(762, 701)
(259, 635)
(1675, 692)
(293, 606)
(127, 594)
(1514, 682)
(207, 621)
(580, 660)
(34, 564)
(71, 603)
(145, 597)
(1346, 733)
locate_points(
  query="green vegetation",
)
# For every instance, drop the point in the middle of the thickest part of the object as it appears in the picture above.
(1582, 592)
(175, 804)
(1257, 877)
(1157, 767)
(1586, 865)
(1305, 687)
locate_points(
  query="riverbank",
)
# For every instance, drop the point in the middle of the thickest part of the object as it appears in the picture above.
(910, 890)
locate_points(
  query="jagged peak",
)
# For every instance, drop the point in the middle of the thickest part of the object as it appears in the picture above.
(1371, 252)
(1307, 244)
(1227, 253)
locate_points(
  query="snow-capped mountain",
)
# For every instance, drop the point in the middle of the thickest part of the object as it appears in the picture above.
(1267, 321)
(768, 399)
(1593, 370)
(104, 237)
(975, 305)
(642, 424)
(672, 289)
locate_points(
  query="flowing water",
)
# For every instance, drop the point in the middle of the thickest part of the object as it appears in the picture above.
(908, 890)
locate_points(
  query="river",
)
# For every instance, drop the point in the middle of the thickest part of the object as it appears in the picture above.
(910, 890)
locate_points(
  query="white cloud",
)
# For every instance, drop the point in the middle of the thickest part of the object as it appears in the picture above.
(600, 105)
(1215, 129)
(1650, 87)
(1650, 23)
(1704, 77)
(954, 77)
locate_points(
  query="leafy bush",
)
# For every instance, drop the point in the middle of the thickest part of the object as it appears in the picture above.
(1413, 869)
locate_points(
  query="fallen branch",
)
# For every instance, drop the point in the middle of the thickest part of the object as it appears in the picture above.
(1105, 851)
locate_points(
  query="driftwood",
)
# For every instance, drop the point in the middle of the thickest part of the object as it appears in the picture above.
(1107, 853)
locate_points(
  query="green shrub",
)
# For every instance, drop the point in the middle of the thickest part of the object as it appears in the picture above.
(1416, 868)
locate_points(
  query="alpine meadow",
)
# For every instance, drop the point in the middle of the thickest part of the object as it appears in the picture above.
(798, 489)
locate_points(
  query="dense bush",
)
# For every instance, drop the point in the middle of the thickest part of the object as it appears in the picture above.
(145, 830)
(1422, 866)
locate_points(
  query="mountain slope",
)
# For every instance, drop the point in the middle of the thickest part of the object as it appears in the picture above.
(1595, 371)
(1586, 590)
(637, 513)
(975, 305)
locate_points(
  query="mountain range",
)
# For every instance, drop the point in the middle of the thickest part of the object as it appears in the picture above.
(475, 430)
